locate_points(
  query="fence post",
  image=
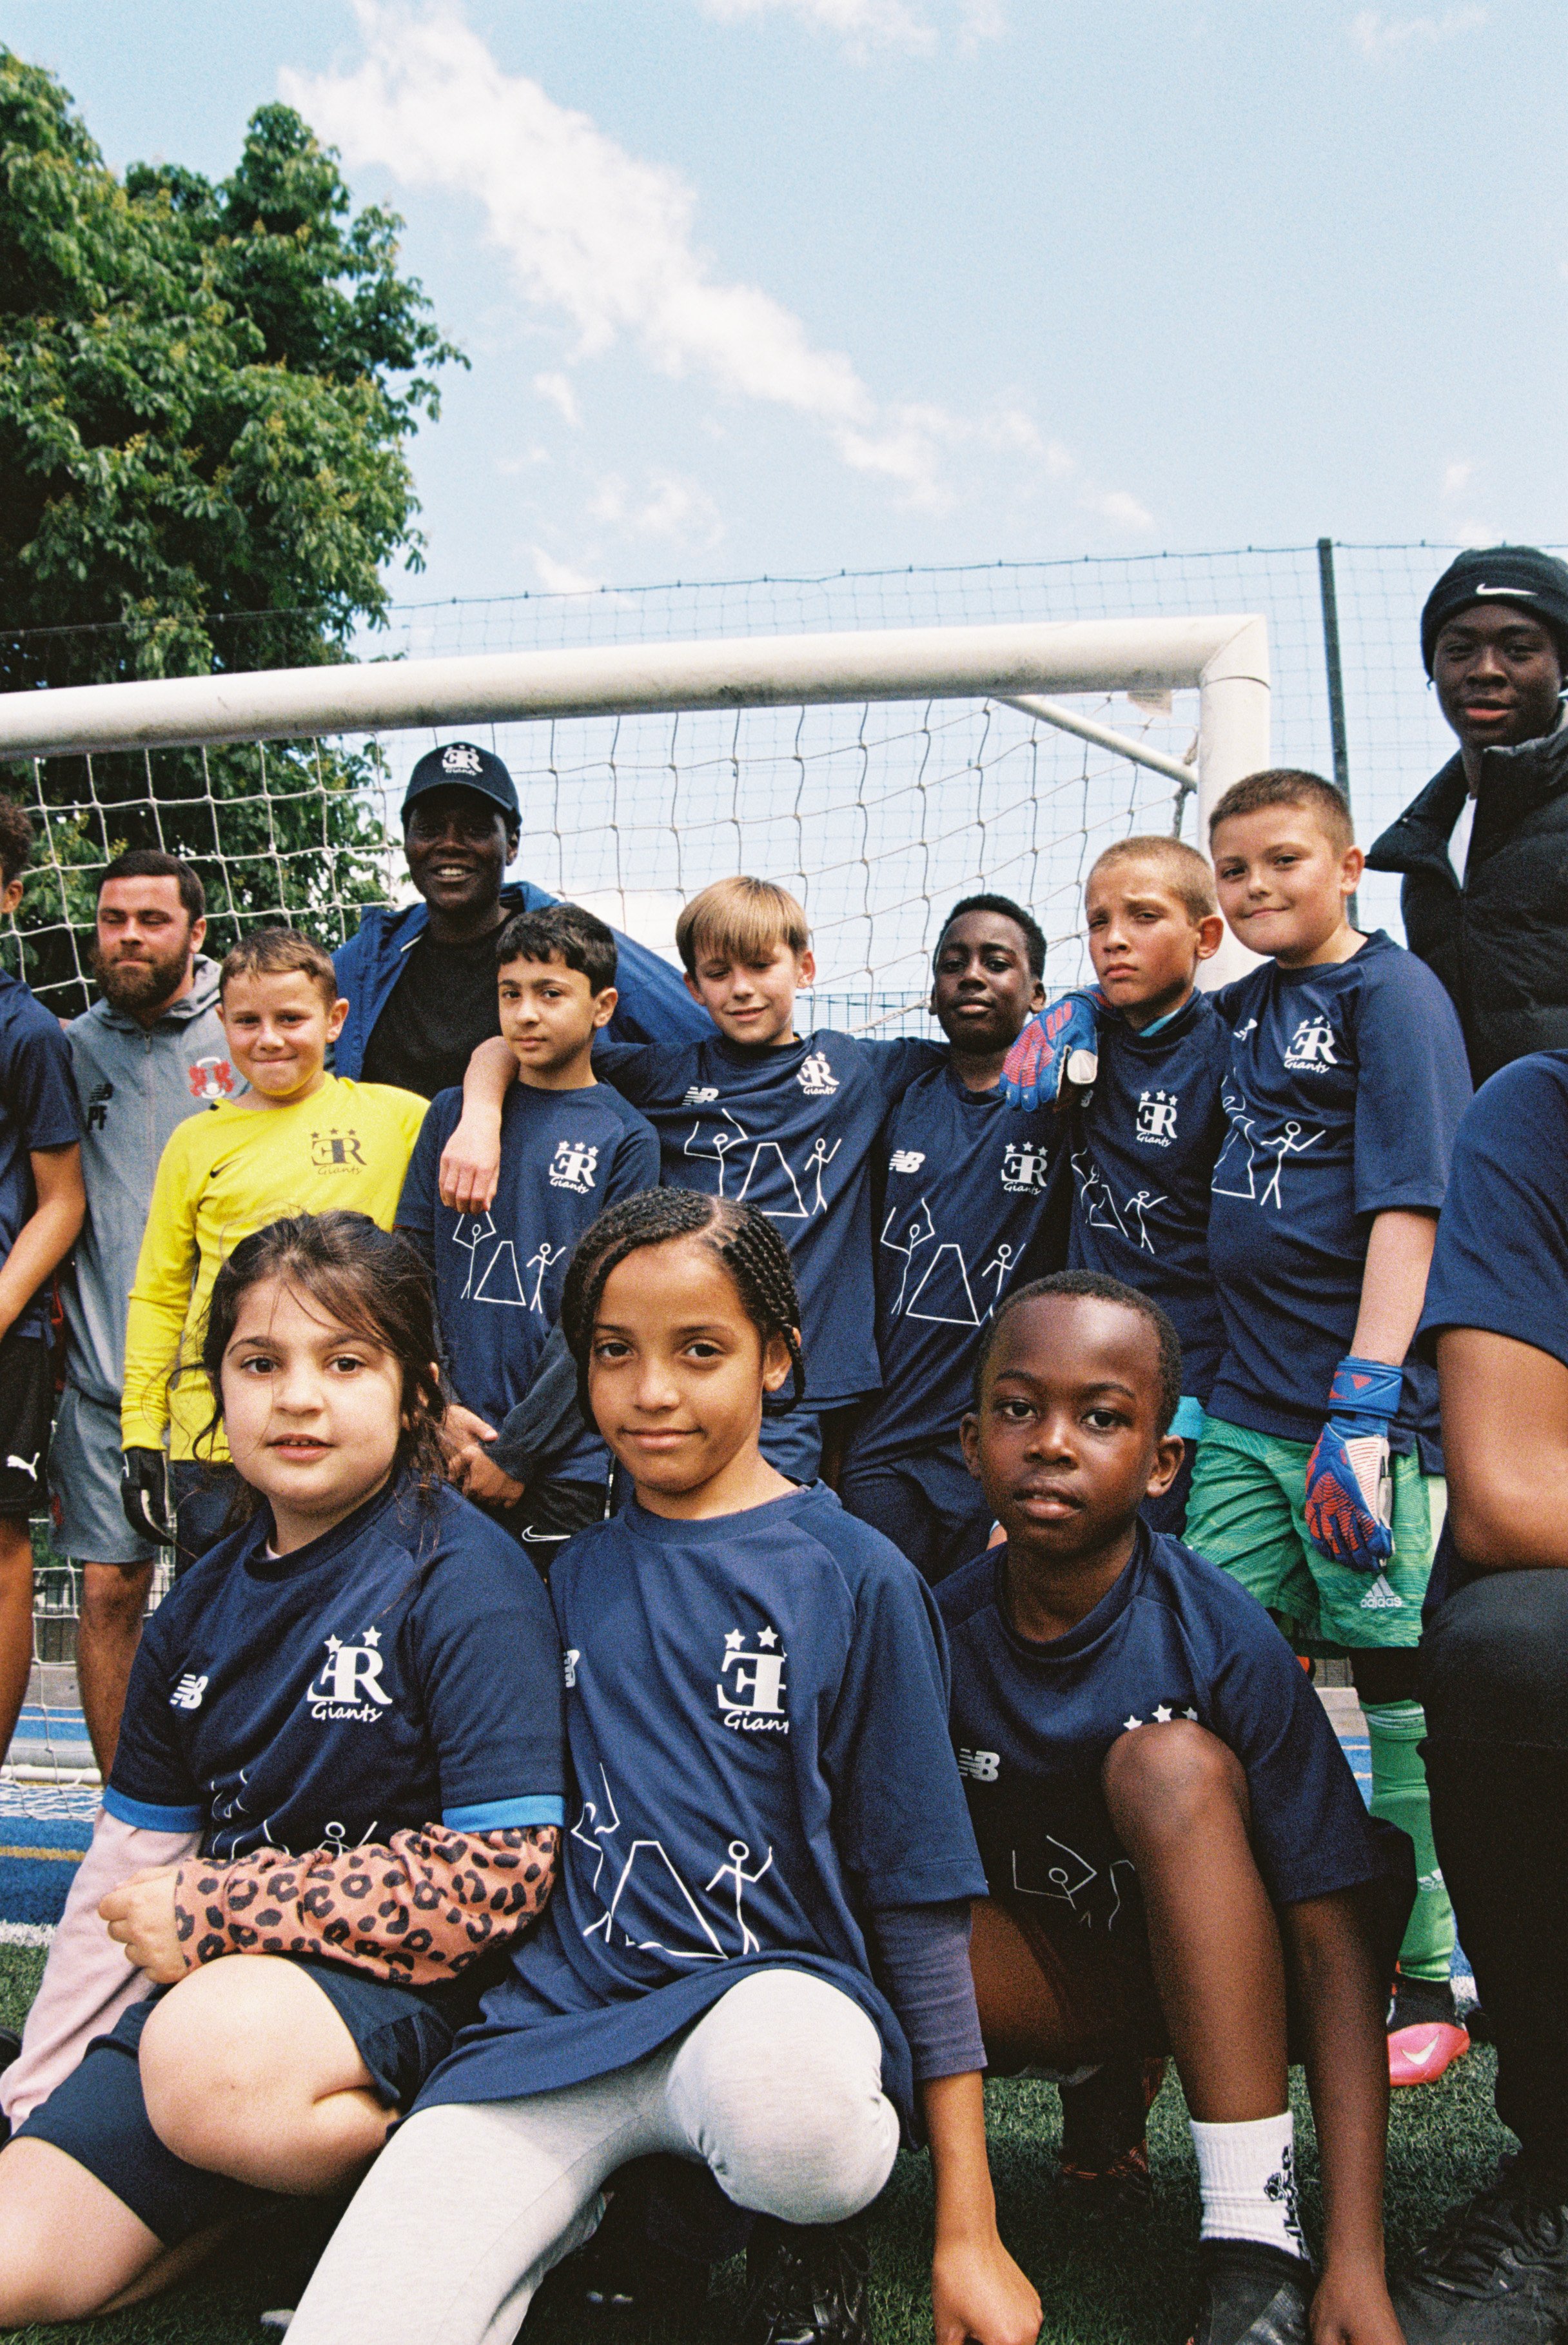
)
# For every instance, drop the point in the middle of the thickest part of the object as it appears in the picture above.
(1331, 603)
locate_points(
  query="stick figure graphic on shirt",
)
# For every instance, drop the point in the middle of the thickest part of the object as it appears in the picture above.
(918, 1231)
(736, 1868)
(1098, 1204)
(1139, 1205)
(642, 1888)
(470, 1232)
(1287, 1142)
(768, 1182)
(944, 1294)
(1000, 1268)
(541, 1261)
(1066, 1878)
(499, 1282)
(1229, 1171)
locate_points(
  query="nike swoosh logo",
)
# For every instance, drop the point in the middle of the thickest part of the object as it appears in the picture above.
(1419, 2059)
(1514, 593)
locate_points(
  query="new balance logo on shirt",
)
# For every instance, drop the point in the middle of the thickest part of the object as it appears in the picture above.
(1312, 1045)
(572, 1166)
(699, 1094)
(187, 1694)
(979, 1766)
(907, 1160)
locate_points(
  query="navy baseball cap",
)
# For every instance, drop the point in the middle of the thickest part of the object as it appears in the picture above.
(1518, 574)
(463, 766)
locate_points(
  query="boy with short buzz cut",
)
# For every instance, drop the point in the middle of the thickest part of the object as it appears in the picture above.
(784, 1122)
(42, 1203)
(1318, 1483)
(1142, 1134)
(1174, 1849)
(961, 1175)
(570, 1146)
(299, 1140)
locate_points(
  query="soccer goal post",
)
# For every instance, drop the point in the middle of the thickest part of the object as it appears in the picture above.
(881, 771)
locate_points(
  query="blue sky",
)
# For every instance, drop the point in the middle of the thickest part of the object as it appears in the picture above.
(792, 285)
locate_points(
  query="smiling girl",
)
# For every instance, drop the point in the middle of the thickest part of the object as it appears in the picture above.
(758, 1956)
(340, 1760)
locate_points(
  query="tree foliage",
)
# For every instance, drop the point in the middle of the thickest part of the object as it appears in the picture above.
(206, 393)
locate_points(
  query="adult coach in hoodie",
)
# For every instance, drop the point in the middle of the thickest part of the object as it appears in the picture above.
(147, 1054)
(1484, 849)
(419, 980)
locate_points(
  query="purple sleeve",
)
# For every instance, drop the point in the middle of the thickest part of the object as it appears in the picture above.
(922, 1962)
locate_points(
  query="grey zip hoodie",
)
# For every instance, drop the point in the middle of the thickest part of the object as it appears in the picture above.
(135, 1084)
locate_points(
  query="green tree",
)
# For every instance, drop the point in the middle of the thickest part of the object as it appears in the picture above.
(206, 393)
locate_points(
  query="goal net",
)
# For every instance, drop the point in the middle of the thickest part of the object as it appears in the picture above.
(880, 774)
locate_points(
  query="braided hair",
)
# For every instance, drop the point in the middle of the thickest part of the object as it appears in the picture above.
(745, 1242)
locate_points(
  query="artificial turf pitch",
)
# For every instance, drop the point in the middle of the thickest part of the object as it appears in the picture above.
(1117, 2285)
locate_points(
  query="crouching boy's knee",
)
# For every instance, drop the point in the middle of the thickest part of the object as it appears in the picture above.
(1163, 1781)
(784, 2083)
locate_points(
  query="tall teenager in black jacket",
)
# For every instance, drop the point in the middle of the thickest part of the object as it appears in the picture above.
(1484, 849)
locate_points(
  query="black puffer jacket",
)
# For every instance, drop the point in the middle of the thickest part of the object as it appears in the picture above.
(1500, 943)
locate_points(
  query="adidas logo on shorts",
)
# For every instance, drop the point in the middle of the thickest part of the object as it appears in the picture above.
(1380, 1598)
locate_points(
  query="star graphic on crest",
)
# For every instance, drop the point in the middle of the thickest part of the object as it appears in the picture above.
(372, 1636)
(768, 1637)
(1191, 1714)
(733, 1641)
(1162, 1713)
(1131, 1722)
(334, 1644)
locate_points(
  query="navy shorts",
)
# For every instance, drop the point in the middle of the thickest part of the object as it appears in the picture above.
(97, 2116)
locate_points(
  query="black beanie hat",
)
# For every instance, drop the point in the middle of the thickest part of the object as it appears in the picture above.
(1520, 574)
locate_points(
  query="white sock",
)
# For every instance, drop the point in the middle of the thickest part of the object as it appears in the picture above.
(1246, 2173)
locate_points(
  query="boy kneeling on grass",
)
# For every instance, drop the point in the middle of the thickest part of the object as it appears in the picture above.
(1176, 1854)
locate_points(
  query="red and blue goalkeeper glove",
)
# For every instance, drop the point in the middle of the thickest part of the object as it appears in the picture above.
(1060, 1044)
(1350, 1490)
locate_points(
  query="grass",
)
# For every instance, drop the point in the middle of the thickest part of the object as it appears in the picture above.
(1127, 2286)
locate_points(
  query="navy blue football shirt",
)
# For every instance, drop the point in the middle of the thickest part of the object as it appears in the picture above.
(564, 1157)
(756, 1717)
(1501, 1263)
(402, 1669)
(1344, 1092)
(38, 1110)
(791, 1130)
(1174, 1638)
(1141, 1147)
(963, 1177)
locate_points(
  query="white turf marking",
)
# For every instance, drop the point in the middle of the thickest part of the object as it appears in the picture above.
(27, 1934)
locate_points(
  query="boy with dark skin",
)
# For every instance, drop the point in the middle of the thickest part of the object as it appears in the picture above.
(1169, 1830)
(1480, 850)
(960, 1172)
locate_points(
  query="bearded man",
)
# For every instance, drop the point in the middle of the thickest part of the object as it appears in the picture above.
(146, 1056)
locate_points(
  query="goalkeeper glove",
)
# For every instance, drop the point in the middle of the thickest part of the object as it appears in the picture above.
(144, 1495)
(1059, 1044)
(1350, 1490)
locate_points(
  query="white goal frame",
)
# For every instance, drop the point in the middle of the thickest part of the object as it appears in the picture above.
(1224, 658)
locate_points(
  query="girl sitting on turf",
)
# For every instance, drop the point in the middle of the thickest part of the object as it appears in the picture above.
(758, 1951)
(342, 1758)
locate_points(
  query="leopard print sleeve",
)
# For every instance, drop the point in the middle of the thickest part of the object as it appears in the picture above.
(417, 1909)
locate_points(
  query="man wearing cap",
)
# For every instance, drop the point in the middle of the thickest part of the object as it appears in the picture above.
(420, 982)
(1484, 849)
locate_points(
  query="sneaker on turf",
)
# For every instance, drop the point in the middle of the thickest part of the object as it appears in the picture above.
(1102, 2167)
(1252, 2295)
(1425, 2031)
(1495, 2272)
(618, 2272)
(807, 2284)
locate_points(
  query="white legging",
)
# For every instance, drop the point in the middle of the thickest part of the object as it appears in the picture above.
(777, 2090)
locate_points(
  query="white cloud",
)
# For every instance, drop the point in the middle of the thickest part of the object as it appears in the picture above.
(559, 578)
(1379, 37)
(671, 507)
(1116, 505)
(867, 24)
(1456, 479)
(558, 389)
(598, 237)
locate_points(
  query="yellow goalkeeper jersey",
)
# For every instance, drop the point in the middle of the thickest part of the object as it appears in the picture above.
(223, 1174)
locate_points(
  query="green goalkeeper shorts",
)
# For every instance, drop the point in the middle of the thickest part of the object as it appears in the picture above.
(1246, 1514)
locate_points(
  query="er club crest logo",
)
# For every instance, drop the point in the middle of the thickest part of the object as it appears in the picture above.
(1156, 1118)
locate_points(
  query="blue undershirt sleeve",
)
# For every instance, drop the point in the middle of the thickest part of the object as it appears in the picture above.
(921, 1958)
